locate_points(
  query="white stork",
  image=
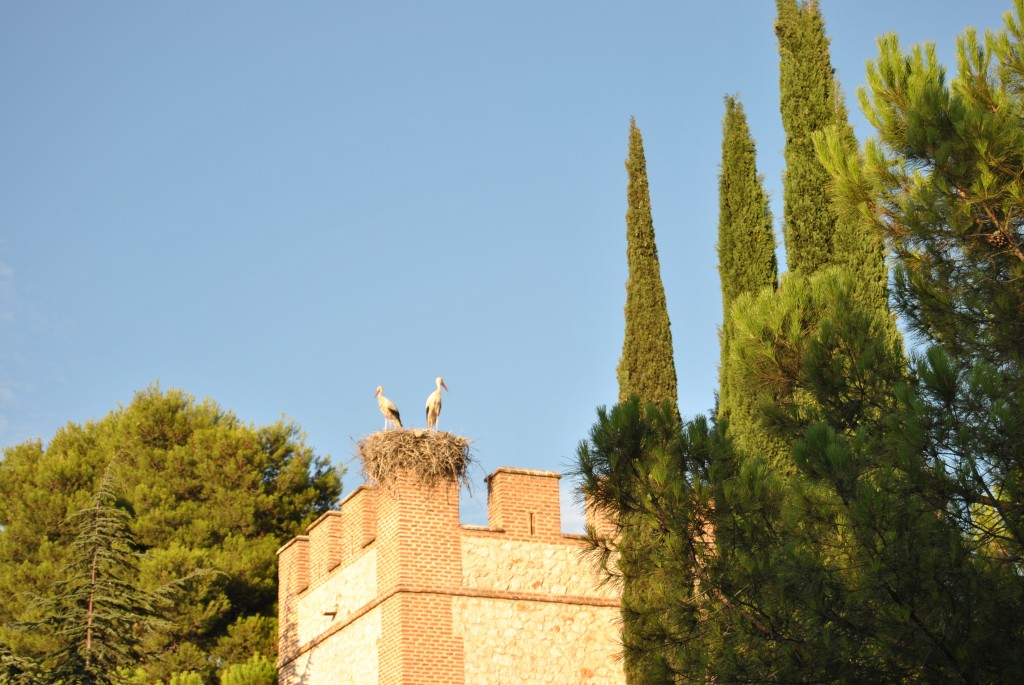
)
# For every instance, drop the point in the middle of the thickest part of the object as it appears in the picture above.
(388, 409)
(434, 403)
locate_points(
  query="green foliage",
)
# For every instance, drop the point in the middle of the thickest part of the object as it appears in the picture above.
(259, 670)
(858, 517)
(15, 670)
(746, 241)
(246, 635)
(942, 183)
(209, 499)
(819, 343)
(653, 476)
(819, 366)
(821, 561)
(94, 608)
(810, 101)
(186, 678)
(821, 353)
(646, 368)
(772, 329)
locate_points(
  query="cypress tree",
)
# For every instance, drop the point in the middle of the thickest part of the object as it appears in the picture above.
(746, 242)
(646, 368)
(810, 104)
(810, 101)
(817, 235)
(647, 376)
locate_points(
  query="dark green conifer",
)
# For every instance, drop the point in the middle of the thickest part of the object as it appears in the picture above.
(810, 101)
(647, 375)
(646, 368)
(746, 241)
(817, 234)
(201, 490)
(879, 536)
(95, 608)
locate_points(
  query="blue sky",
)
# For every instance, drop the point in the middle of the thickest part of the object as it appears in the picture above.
(281, 206)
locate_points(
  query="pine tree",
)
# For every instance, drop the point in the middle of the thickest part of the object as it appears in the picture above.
(746, 560)
(941, 181)
(888, 547)
(205, 490)
(15, 670)
(746, 241)
(653, 474)
(95, 608)
(810, 101)
(818, 236)
(646, 368)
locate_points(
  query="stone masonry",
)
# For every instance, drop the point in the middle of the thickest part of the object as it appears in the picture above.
(393, 590)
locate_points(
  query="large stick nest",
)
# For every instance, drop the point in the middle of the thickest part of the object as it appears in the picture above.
(434, 457)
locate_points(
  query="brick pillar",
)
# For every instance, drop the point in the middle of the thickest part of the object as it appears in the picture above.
(292, 579)
(359, 514)
(419, 558)
(325, 546)
(525, 503)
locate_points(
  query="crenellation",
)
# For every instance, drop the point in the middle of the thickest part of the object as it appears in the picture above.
(525, 503)
(292, 579)
(325, 548)
(359, 521)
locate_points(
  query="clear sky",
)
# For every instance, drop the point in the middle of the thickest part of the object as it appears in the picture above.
(282, 205)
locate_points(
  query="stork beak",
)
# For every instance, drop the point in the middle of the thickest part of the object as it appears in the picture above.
(444, 386)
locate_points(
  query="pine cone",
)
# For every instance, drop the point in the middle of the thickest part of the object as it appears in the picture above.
(997, 239)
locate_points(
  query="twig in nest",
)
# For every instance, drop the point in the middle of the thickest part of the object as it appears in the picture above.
(434, 457)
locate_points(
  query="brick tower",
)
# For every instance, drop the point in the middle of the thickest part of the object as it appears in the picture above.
(393, 590)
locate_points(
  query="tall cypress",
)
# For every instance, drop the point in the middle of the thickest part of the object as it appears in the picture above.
(810, 101)
(817, 236)
(646, 368)
(746, 241)
(646, 372)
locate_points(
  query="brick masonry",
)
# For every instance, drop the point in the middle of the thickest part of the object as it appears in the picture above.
(393, 590)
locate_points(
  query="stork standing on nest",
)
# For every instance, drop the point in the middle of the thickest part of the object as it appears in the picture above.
(434, 403)
(388, 409)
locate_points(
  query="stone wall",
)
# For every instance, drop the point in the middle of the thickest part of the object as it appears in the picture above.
(344, 657)
(330, 603)
(535, 609)
(538, 643)
(493, 562)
